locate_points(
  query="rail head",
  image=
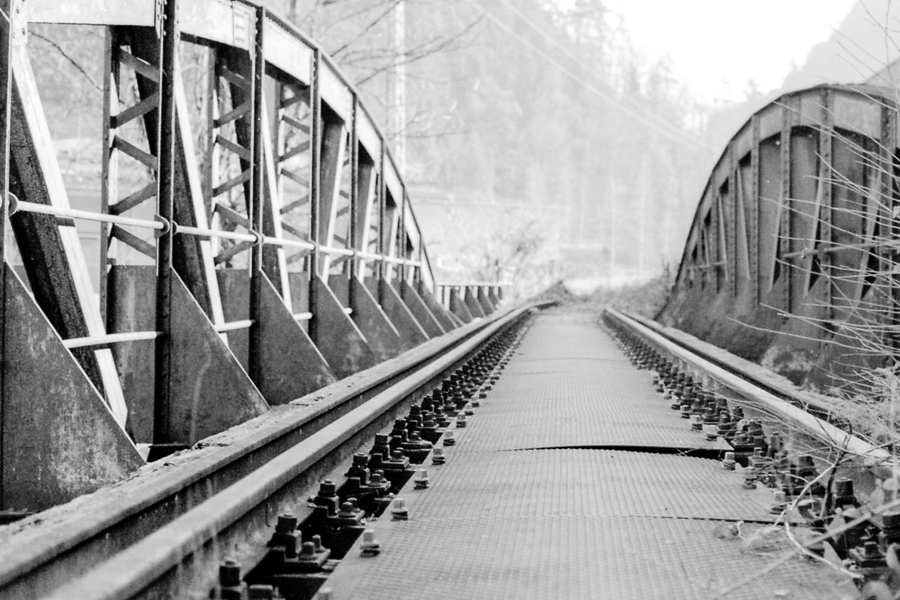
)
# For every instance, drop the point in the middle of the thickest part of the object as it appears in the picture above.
(749, 390)
(40, 546)
(138, 570)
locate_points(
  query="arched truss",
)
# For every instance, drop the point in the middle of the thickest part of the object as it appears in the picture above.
(791, 241)
(276, 255)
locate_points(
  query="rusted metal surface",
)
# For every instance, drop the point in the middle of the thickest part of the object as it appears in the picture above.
(420, 311)
(409, 328)
(56, 414)
(789, 244)
(373, 322)
(539, 521)
(222, 337)
(340, 340)
(41, 553)
(238, 516)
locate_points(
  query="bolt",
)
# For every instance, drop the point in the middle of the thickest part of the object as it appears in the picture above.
(779, 502)
(230, 574)
(449, 439)
(421, 480)
(325, 594)
(287, 523)
(712, 432)
(469, 409)
(399, 512)
(261, 592)
(327, 489)
(696, 423)
(460, 419)
(750, 478)
(728, 463)
(437, 456)
(317, 543)
(307, 550)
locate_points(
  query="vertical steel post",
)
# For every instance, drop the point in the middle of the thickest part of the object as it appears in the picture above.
(754, 217)
(382, 202)
(401, 243)
(315, 188)
(108, 189)
(166, 209)
(826, 146)
(784, 241)
(257, 189)
(353, 235)
(887, 260)
(8, 24)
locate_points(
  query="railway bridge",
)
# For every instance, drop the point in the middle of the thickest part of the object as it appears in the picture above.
(252, 386)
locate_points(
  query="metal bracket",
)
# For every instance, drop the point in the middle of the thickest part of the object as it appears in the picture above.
(19, 23)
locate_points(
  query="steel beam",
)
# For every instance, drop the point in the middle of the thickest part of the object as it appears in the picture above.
(58, 439)
(50, 248)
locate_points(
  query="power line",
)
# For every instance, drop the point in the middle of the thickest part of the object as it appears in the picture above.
(578, 60)
(662, 127)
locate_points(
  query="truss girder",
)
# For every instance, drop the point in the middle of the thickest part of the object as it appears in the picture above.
(251, 251)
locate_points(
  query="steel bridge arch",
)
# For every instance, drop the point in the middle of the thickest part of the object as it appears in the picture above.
(790, 246)
(283, 255)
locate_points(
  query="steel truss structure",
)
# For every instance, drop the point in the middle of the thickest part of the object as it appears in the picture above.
(791, 257)
(280, 257)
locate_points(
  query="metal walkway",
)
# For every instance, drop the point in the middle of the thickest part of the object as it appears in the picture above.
(536, 501)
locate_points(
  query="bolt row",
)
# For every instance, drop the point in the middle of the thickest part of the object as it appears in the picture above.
(765, 461)
(340, 514)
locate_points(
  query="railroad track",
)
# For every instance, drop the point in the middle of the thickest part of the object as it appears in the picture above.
(827, 478)
(274, 503)
(167, 531)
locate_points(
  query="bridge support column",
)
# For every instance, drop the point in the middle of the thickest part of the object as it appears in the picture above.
(410, 330)
(443, 316)
(471, 301)
(420, 310)
(59, 438)
(383, 337)
(459, 308)
(336, 335)
(484, 301)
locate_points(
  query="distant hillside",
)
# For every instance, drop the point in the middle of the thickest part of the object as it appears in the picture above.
(864, 43)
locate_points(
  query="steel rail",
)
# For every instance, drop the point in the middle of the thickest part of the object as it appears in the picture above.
(754, 393)
(184, 555)
(42, 552)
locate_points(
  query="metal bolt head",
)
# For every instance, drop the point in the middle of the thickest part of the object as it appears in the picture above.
(286, 523)
(317, 543)
(369, 545)
(421, 481)
(399, 512)
(230, 574)
(729, 462)
(261, 592)
(307, 550)
(327, 488)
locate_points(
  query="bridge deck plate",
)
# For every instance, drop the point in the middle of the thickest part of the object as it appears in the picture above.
(570, 373)
(576, 522)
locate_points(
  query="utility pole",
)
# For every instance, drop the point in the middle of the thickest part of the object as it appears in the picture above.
(400, 85)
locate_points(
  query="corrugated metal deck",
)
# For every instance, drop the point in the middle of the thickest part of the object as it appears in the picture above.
(525, 508)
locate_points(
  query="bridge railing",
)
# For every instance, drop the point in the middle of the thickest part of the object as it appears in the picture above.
(252, 251)
(791, 258)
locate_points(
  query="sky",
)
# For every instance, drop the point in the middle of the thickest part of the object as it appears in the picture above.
(717, 46)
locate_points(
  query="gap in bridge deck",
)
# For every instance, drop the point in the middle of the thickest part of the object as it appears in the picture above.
(509, 516)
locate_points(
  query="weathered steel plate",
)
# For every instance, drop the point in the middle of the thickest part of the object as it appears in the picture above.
(577, 522)
(569, 385)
